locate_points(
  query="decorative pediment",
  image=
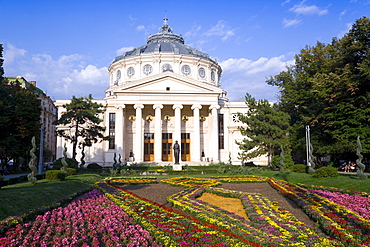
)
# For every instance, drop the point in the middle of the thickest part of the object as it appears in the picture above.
(167, 83)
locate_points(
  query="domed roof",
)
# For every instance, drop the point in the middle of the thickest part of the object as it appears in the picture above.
(165, 41)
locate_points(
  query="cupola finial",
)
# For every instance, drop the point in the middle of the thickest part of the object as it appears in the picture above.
(165, 28)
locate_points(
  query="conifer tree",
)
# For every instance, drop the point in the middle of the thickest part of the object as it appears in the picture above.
(81, 119)
(266, 129)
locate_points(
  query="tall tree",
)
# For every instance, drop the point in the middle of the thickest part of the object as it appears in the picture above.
(328, 89)
(266, 129)
(81, 117)
(19, 120)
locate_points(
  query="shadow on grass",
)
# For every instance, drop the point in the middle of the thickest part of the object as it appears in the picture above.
(282, 175)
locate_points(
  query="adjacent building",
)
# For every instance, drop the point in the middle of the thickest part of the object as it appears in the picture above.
(160, 93)
(49, 113)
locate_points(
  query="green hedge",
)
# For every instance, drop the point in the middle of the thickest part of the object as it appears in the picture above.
(71, 163)
(55, 175)
(94, 166)
(71, 171)
(325, 172)
(300, 168)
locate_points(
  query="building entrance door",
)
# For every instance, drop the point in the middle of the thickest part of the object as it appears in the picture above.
(166, 146)
(148, 146)
(185, 146)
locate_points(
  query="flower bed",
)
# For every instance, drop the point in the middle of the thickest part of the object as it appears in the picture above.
(12, 221)
(358, 204)
(268, 223)
(190, 182)
(332, 189)
(172, 227)
(251, 179)
(130, 220)
(91, 221)
(335, 220)
(133, 181)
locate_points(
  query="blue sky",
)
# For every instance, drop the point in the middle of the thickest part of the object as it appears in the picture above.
(66, 46)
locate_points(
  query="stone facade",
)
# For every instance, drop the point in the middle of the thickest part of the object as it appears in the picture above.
(164, 92)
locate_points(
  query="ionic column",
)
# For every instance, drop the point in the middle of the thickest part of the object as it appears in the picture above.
(195, 143)
(214, 138)
(177, 134)
(119, 130)
(138, 151)
(158, 133)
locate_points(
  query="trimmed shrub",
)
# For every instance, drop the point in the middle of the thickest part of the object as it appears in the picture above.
(71, 163)
(325, 172)
(300, 168)
(55, 175)
(94, 166)
(71, 171)
(288, 161)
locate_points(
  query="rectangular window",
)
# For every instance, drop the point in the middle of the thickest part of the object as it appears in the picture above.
(112, 130)
(221, 141)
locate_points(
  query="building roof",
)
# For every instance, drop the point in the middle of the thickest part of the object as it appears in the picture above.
(26, 84)
(165, 41)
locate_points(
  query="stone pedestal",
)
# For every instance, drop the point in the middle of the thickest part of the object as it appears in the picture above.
(177, 167)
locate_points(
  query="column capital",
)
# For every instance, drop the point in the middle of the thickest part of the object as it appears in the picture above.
(177, 106)
(122, 106)
(157, 106)
(196, 106)
(214, 106)
(138, 106)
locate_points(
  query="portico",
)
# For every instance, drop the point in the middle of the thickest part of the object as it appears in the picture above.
(154, 128)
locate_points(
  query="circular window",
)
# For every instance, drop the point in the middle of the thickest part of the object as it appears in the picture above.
(118, 74)
(202, 73)
(213, 76)
(147, 69)
(130, 72)
(186, 70)
(166, 67)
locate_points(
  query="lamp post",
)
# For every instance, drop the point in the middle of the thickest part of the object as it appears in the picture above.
(308, 145)
(41, 149)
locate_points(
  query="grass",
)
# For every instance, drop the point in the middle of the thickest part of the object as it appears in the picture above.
(19, 198)
(348, 182)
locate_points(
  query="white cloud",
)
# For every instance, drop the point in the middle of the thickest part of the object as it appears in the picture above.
(124, 49)
(11, 52)
(244, 75)
(90, 75)
(193, 31)
(140, 28)
(63, 77)
(290, 23)
(348, 26)
(221, 29)
(286, 2)
(303, 9)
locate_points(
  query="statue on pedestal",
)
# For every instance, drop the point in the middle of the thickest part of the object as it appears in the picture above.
(176, 149)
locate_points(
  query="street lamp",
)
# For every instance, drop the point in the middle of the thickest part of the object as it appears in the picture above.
(42, 130)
